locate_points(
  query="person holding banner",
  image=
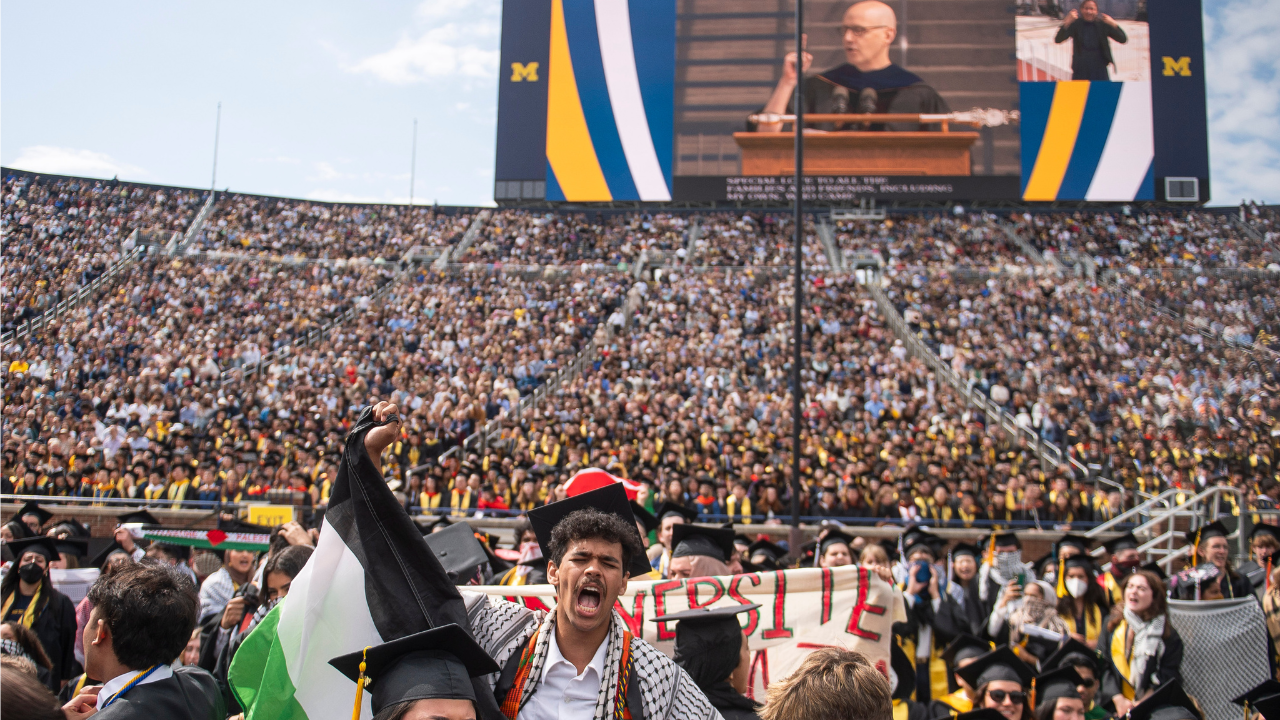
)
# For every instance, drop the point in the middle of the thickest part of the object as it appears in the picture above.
(1141, 650)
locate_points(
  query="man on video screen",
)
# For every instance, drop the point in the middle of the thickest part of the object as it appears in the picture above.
(867, 83)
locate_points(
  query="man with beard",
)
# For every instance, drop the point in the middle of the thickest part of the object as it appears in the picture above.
(580, 659)
(1124, 561)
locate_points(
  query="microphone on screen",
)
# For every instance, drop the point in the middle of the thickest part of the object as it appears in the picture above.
(840, 100)
(867, 100)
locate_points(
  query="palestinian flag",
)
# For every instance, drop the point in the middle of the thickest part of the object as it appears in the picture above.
(371, 580)
(207, 539)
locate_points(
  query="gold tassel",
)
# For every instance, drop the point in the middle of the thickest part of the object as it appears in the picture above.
(1062, 578)
(1195, 550)
(1031, 697)
(355, 714)
(991, 549)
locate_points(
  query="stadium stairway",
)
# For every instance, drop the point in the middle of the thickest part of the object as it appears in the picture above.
(473, 230)
(130, 256)
(178, 245)
(1050, 455)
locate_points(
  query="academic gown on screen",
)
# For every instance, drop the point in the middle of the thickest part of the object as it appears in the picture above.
(897, 91)
(190, 694)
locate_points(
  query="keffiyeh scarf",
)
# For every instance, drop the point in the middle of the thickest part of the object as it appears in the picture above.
(503, 628)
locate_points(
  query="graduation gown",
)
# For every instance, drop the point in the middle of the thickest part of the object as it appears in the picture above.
(897, 91)
(191, 694)
(1114, 681)
(55, 627)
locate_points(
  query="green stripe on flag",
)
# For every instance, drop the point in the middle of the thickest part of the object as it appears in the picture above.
(259, 677)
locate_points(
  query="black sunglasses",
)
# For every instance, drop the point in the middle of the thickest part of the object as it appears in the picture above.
(1017, 698)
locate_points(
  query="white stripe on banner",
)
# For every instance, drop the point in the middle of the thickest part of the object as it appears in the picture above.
(613, 26)
(326, 615)
(1129, 149)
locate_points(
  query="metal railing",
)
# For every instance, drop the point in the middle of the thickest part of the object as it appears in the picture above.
(1027, 248)
(826, 235)
(1164, 523)
(74, 300)
(179, 244)
(473, 229)
(1048, 453)
(310, 338)
(694, 232)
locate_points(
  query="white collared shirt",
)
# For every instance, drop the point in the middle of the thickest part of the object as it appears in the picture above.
(114, 684)
(563, 694)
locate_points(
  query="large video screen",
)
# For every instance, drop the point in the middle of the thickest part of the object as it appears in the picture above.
(982, 100)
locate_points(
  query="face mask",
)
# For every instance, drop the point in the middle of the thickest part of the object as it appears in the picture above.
(31, 573)
(1009, 563)
(1076, 587)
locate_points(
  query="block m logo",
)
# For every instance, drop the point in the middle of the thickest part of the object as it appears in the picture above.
(1181, 66)
(529, 71)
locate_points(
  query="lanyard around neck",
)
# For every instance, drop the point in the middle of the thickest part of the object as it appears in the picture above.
(130, 685)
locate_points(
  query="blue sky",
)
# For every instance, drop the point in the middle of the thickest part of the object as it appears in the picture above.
(318, 99)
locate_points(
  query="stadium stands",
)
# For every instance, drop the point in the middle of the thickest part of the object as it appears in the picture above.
(233, 368)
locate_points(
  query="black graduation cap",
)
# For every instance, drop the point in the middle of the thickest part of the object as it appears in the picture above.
(704, 614)
(72, 527)
(1264, 529)
(1212, 530)
(916, 538)
(1004, 538)
(1154, 567)
(433, 664)
(611, 499)
(770, 551)
(1081, 561)
(687, 539)
(1268, 707)
(966, 549)
(999, 664)
(1078, 542)
(1073, 653)
(964, 647)
(101, 558)
(138, 516)
(458, 550)
(72, 545)
(904, 674)
(1126, 541)
(1266, 688)
(1170, 702)
(832, 538)
(669, 509)
(981, 714)
(39, 544)
(32, 508)
(1059, 683)
(646, 518)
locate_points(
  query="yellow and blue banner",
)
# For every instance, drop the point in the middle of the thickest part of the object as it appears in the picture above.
(610, 100)
(1085, 140)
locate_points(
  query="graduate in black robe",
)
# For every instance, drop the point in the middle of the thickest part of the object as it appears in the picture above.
(866, 83)
(712, 648)
(142, 618)
(28, 598)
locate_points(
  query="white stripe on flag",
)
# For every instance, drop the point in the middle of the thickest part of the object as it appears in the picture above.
(613, 26)
(326, 615)
(1129, 149)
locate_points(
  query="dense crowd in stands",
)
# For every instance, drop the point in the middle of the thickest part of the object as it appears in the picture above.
(200, 378)
(62, 233)
(276, 226)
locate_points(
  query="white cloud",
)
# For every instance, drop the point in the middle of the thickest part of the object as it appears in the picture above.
(447, 50)
(1241, 58)
(72, 161)
(325, 171)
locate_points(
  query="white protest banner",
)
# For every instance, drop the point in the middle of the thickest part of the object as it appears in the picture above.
(801, 610)
(74, 584)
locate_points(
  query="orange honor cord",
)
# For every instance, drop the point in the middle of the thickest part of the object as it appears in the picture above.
(355, 713)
